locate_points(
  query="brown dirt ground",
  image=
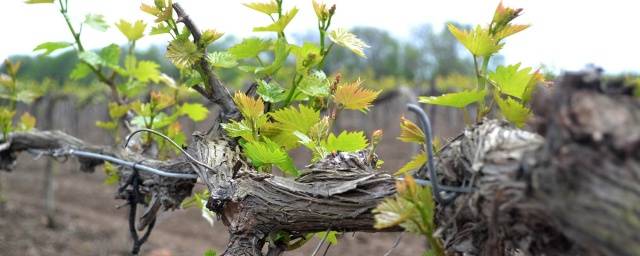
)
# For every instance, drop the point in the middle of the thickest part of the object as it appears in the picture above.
(88, 223)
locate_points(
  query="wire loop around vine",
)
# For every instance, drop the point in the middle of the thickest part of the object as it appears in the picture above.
(443, 194)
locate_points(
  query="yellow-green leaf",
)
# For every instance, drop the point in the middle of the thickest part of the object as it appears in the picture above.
(513, 81)
(457, 99)
(27, 122)
(195, 111)
(96, 21)
(393, 212)
(348, 40)
(510, 30)
(222, 59)
(280, 24)
(183, 53)
(346, 142)
(133, 31)
(50, 47)
(112, 174)
(416, 162)
(239, 129)
(478, 41)
(268, 8)
(513, 110)
(107, 125)
(116, 111)
(146, 71)
(410, 132)
(281, 51)
(268, 152)
(249, 107)
(209, 36)
(288, 120)
(321, 10)
(39, 1)
(249, 48)
(354, 96)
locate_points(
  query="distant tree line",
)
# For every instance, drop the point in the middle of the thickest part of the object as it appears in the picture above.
(419, 61)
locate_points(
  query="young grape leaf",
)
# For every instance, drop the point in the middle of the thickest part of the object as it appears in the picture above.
(195, 111)
(456, 99)
(161, 100)
(91, 58)
(346, 142)
(318, 151)
(513, 110)
(354, 96)
(112, 174)
(183, 53)
(209, 36)
(350, 41)
(81, 70)
(268, 152)
(133, 31)
(503, 16)
(395, 211)
(27, 122)
(239, 129)
(249, 107)
(146, 71)
(117, 111)
(267, 8)
(160, 28)
(296, 120)
(281, 52)
(222, 59)
(510, 30)
(412, 208)
(330, 237)
(50, 47)
(96, 21)
(410, 132)
(280, 24)
(39, 1)
(307, 56)
(155, 11)
(26, 96)
(289, 120)
(321, 10)
(110, 56)
(416, 162)
(107, 125)
(315, 84)
(271, 91)
(513, 81)
(249, 48)
(478, 41)
(174, 131)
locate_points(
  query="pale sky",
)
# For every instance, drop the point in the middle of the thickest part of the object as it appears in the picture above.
(565, 34)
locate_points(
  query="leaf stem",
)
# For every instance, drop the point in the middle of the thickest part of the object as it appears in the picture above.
(294, 86)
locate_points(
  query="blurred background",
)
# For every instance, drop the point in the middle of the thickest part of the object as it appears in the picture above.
(50, 208)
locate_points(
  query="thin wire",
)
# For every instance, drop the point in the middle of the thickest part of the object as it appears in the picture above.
(442, 187)
(395, 244)
(132, 165)
(425, 125)
(170, 141)
(321, 243)
(326, 249)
